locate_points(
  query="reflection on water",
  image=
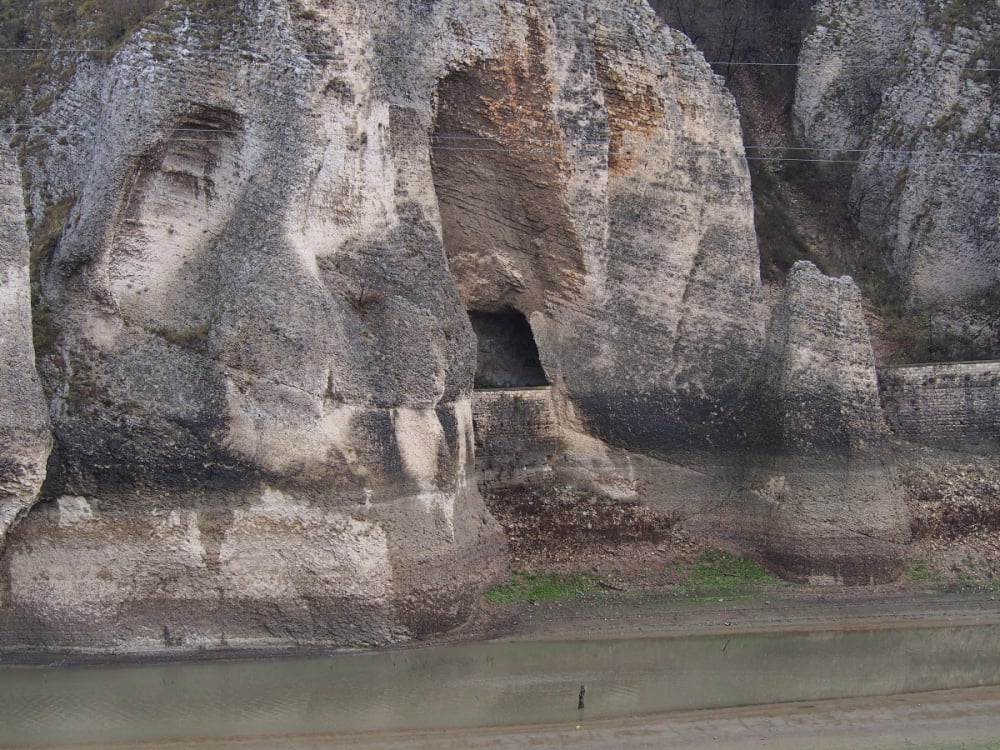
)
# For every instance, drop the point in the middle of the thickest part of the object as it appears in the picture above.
(484, 684)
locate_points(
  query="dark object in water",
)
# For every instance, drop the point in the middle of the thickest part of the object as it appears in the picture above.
(583, 692)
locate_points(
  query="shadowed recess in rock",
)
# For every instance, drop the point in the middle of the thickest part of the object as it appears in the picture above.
(506, 353)
(499, 173)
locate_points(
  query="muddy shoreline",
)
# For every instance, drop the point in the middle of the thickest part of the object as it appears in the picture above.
(940, 720)
(637, 615)
(964, 718)
(643, 575)
(607, 615)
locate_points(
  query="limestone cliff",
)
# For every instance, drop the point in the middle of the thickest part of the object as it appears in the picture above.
(260, 384)
(25, 438)
(261, 357)
(909, 92)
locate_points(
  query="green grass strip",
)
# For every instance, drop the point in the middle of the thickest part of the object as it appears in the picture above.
(524, 586)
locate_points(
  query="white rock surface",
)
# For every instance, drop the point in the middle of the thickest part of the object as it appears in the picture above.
(905, 89)
(262, 380)
(25, 440)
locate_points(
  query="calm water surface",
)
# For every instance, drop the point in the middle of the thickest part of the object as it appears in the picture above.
(479, 685)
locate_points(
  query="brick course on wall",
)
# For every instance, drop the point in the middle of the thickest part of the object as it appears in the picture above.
(516, 435)
(947, 405)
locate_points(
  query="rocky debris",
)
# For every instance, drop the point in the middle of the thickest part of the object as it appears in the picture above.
(954, 502)
(558, 529)
(544, 518)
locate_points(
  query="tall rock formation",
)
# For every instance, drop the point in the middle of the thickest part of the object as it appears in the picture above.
(262, 376)
(25, 438)
(909, 92)
(827, 503)
(264, 360)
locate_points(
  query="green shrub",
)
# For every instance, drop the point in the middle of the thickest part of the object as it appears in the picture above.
(45, 235)
(917, 571)
(44, 331)
(717, 573)
(778, 236)
(524, 586)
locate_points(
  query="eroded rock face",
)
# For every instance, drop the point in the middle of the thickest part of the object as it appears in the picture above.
(903, 89)
(262, 377)
(25, 439)
(261, 384)
(824, 503)
(606, 199)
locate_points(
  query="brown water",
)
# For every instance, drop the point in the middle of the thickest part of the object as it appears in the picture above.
(481, 685)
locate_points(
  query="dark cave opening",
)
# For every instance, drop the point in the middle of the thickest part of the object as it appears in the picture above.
(506, 353)
(508, 235)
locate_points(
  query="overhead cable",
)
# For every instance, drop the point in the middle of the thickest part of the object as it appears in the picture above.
(331, 57)
(548, 142)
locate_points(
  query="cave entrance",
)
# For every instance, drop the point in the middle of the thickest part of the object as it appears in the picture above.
(506, 354)
(500, 177)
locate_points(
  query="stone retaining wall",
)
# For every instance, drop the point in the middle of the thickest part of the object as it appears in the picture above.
(955, 405)
(516, 436)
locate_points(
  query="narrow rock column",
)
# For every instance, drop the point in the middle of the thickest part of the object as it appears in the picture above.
(823, 494)
(25, 437)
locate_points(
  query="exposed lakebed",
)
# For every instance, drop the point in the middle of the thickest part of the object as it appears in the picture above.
(496, 683)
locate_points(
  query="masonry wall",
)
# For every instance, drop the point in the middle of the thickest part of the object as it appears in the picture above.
(947, 405)
(516, 436)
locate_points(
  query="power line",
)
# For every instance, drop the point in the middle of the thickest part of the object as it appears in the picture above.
(329, 57)
(538, 144)
(57, 50)
(841, 66)
(582, 150)
(961, 165)
(555, 141)
(841, 150)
